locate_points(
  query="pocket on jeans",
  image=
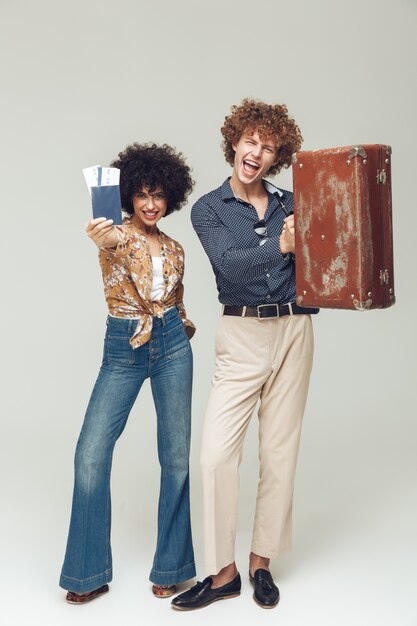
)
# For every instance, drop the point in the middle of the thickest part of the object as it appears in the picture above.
(176, 342)
(118, 350)
(180, 352)
(175, 329)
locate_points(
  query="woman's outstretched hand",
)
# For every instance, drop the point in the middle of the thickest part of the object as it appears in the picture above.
(102, 232)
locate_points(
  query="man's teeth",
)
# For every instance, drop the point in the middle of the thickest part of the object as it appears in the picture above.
(251, 164)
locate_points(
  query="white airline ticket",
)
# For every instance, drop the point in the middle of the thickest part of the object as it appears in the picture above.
(97, 176)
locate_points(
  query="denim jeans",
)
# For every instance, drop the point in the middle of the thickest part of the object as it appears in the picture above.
(167, 360)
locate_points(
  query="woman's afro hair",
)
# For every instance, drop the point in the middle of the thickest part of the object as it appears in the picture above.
(151, 166)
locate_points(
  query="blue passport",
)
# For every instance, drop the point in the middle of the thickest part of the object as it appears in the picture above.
(106, 203)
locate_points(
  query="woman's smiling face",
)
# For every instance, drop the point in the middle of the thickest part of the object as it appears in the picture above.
(149, 206)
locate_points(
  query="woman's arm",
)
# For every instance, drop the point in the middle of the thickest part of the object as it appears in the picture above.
(179, 303)
(179, 297)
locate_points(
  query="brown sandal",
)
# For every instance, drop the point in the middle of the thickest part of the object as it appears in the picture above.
(163, 591)
(82, 598)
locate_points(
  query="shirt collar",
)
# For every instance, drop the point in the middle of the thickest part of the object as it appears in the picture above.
(272, 189)
(227, 191)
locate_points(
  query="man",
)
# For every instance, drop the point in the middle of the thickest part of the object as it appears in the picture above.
(264, 349)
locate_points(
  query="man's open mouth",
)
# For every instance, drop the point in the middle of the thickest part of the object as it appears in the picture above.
(250, 167)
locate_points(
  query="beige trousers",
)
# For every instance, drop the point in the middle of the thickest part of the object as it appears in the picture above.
(267, 360)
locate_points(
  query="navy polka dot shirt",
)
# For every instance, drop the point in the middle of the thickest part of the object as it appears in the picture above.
(250, 269)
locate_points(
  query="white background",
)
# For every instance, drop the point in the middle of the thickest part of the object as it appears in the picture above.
(82, 79)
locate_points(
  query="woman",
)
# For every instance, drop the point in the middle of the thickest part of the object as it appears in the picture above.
(147, 337)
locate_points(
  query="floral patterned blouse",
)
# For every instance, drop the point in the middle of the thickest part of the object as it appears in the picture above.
(127, 276)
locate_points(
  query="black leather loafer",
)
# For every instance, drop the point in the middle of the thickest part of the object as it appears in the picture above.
(202, 594)
(265, 591)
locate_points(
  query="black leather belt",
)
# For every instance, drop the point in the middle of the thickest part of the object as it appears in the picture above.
(265, 311)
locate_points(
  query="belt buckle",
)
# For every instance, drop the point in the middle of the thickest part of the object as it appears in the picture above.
(261, 306)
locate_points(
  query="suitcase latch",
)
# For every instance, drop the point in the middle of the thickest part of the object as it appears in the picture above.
(384, 277)
(381, 177)
(361, 305)
(357, 151)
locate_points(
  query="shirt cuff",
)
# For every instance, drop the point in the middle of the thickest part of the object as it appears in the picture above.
(122, 248)
(271, 249)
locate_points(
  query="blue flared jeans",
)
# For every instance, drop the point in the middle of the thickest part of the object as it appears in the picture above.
(167, 360)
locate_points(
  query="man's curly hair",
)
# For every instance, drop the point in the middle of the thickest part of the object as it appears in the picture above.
(268, 120)
(151, 166)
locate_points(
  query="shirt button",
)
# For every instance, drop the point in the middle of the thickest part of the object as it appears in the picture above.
(268, 275)
(268, 297)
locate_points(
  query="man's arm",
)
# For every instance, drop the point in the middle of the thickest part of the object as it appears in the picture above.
(233, 263)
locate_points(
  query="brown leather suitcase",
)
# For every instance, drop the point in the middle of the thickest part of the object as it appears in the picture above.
(343, 222)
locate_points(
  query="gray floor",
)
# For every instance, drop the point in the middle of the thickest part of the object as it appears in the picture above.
(353, 560)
